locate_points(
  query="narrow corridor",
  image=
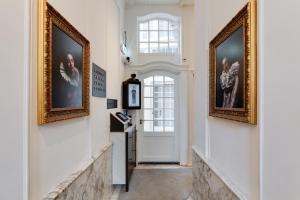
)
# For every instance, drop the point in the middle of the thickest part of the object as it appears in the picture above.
(109, 99)
(158, 183)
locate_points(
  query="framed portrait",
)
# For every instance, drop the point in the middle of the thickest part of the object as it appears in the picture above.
(232, 74)
(132, 95)
(63, 68)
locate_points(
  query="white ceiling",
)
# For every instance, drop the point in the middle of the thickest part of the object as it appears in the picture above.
(161, 2)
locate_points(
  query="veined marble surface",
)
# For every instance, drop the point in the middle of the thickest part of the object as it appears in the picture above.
(206, 184)
(92, 182)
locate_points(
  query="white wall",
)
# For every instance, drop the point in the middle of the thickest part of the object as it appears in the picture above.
(187, 16)
(13, 69)
(232, 147)
(60, 148)
(281, 162)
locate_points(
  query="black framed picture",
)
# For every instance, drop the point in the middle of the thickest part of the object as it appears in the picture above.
(132, 95)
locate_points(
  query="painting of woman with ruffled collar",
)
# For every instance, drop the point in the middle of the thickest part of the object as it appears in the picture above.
(66, 71)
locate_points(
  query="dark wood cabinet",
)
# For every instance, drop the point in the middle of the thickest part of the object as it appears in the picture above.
(130, 155)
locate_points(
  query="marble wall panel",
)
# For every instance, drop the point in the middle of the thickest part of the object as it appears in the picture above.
(92, 182)
(207, 185)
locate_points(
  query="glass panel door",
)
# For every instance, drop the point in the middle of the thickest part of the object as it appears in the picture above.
(158, 106)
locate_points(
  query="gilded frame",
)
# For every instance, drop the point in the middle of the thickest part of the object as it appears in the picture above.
(248, 114)
(47, 16)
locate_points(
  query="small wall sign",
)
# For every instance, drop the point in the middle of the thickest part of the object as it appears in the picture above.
(112, 103)
(98, 81)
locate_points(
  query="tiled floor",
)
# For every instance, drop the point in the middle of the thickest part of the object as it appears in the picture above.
(160, 166)
(158, 183)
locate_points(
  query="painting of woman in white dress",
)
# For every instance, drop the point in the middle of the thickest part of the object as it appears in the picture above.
(233, 69)
(230, 72)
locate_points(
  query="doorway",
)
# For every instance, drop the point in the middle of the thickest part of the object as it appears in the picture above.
(158, 141)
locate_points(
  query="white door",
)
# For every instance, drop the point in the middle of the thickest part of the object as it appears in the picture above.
(158, 139)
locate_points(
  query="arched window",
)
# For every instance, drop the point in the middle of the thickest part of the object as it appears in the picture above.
(159, 33)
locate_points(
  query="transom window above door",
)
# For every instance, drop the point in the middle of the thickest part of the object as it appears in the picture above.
(159, 104)
(159, 34)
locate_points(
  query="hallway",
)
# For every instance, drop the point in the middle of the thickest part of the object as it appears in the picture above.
(159, 183)
(92, 89)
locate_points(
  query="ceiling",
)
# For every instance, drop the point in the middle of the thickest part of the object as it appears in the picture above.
(161, 2)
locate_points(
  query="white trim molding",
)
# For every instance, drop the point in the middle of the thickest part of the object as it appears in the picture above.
(183, 72)
(160, 65)
(186, 2)
(220, 174)
(165, 16)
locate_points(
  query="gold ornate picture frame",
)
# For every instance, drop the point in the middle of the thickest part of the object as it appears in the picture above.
(233, 69)
(63, 68)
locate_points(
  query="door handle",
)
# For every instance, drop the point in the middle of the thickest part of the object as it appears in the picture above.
(141, 121)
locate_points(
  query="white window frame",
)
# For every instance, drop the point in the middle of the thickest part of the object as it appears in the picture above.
(164, 119)
(175, 77)
(159, 17)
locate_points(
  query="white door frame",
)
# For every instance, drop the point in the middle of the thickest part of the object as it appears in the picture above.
(175, 76)
(184, 72)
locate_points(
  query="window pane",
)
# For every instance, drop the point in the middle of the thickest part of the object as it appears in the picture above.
(169, 80)
(144, 36)
(158, 126)
(163, 47)
(148, 102)
(174, 47)
(163, 25)
(144, 26)
(169, 103)
(148, 114)
(174, 36)
(158, 103)
(158, 80)
(158, 91)
(148, 126)
(148, 81)
(169, 126)
(169, 91)
(148, 91)
(169, 114)
(153, 47)
(153, 25)
(173, 26)
(163, 36)
(158, 114)
(153, 36)
(144, 48)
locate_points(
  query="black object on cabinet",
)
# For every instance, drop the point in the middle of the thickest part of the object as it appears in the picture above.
(131, 90)
(119, 122)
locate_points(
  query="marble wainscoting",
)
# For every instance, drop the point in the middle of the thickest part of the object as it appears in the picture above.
(92, 182)
(207, 185)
